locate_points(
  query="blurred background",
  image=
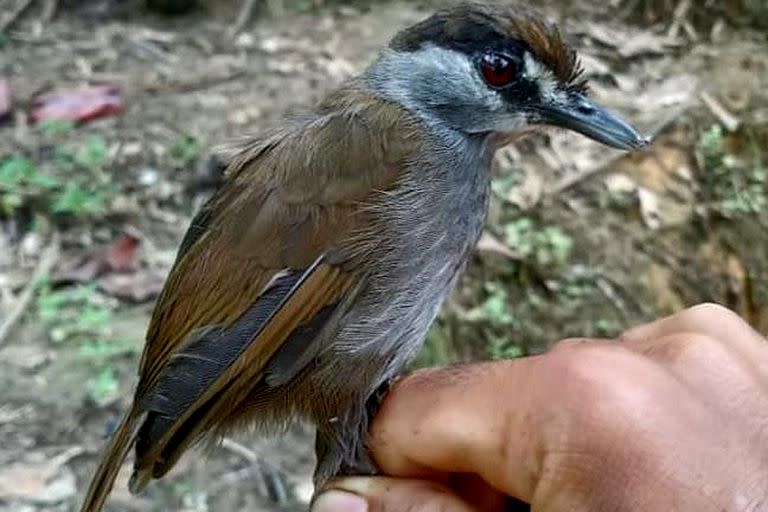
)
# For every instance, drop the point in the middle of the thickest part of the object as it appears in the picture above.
(110, 111)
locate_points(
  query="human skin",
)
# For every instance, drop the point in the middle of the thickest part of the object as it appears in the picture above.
(671, 416)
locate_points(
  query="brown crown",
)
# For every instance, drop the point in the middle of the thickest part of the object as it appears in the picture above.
(473, 28)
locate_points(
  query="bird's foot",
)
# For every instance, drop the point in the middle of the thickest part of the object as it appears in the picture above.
(377, 398)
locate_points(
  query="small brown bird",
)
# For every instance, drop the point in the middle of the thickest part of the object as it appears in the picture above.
(311, 276)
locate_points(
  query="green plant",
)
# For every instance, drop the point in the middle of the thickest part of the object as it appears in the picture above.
(72, 180)
(186, 150)
(56, 127)
(500, 347)
(542, 245)
(82, 317)
(103, 387)
(734, 186)
(494, 309)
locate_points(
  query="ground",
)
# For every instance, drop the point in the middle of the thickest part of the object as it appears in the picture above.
(581, 240)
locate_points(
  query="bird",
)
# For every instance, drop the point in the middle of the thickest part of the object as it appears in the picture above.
(308, 281)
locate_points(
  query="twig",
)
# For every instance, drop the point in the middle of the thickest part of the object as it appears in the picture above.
(272, 480)
(679, 18)
(192, 85)
(609, 293)
(730, 121)
(692, 34)
(50, 10)
(243, 17)
(44, 266)
(239, 449)
(14, 15)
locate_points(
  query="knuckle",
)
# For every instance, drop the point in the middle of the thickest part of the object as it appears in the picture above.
(589, 374)
(606, 392)
(708, 311)
(685, 347)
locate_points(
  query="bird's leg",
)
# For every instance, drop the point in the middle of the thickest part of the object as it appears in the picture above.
(341, 444)
(377, 397)
(340, 450)
(363, 463)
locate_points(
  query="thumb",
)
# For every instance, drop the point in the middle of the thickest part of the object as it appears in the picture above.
(385, 494)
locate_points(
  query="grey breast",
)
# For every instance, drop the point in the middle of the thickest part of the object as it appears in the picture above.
(427, 227)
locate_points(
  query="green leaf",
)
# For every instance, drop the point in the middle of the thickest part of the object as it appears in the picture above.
(15, 170)
(10, 201)
(186, 150)
(44, 180)
(54, 127)
(103, 386)
(502, 348)
(93, 154)
(76, 200)
(103, 350)
(64, 157)
(94, 319)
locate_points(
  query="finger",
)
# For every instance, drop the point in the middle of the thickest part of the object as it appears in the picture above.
(712, 321)
(463, 419)
(708, 319)
(384, 494)
(721, 374)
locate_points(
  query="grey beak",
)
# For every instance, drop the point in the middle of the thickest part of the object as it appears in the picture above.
(588, 118)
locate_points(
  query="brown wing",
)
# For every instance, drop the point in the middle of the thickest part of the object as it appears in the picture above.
(263, 258)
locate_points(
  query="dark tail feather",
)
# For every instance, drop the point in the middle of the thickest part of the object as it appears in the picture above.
(111, 461)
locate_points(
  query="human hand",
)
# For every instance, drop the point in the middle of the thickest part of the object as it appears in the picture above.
(673, 416)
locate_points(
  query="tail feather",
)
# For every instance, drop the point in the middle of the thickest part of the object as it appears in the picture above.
(111, 461)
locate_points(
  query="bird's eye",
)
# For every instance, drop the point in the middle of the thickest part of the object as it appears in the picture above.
(498, 70)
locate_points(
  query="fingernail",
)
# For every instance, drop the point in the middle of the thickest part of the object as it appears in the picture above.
(339, 501)
(355, 484)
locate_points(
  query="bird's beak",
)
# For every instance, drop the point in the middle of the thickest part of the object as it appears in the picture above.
(595, 121)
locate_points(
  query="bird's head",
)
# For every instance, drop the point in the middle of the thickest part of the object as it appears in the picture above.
(484, 69)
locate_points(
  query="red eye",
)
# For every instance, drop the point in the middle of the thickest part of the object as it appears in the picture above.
(497, 70)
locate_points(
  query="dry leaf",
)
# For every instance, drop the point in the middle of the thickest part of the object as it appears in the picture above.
(490, 244)
(594, 65)
(122, 254)
(136, 287)
(628, 42)
(47, 481)
(675, 90)
(528, 193)
(119, 256)
(338, 68)
(27, 356)
(618, 183)
(78, 105)
(642, 43)
(649, 208)
(660, 281)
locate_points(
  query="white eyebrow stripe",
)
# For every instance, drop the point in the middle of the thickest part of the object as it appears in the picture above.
(535, 71)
